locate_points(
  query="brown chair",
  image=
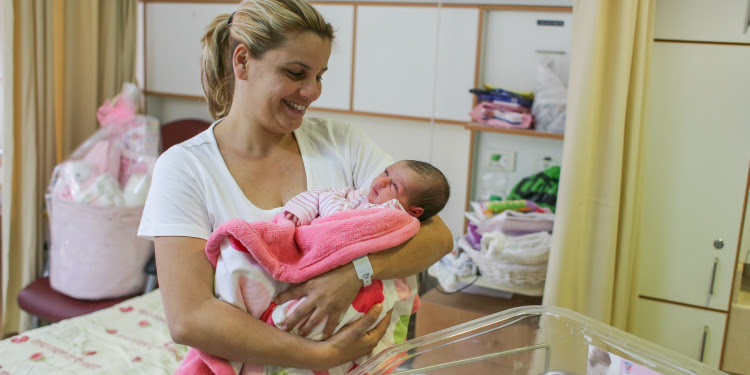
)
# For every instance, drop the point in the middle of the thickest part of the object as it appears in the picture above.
(179, 131)
(47, 304)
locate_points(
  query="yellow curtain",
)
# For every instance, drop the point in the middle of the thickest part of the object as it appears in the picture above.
(100, 51)
(6, 40)
(593, 261)
(28, 146)
(59, 78)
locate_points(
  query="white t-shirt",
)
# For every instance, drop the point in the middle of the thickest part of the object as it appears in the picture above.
(192, 191)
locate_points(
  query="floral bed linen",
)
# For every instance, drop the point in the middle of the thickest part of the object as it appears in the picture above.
(128, 338)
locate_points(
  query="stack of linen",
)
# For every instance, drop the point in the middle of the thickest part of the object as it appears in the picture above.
(513, 247)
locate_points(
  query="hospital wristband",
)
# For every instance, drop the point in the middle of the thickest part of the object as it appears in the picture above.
(364, 269)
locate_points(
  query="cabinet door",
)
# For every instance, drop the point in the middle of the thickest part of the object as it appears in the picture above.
(337, 81)
(455, 63)
(701, 20)
(686, 330)
(173, 47)
(696, 153)
(404, 62)
(513, 41)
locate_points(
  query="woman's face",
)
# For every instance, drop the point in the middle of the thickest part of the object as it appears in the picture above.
(283, 83)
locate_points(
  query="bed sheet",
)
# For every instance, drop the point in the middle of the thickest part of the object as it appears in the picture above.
(128, 338)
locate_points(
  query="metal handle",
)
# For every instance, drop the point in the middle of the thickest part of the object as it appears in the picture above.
(554, 52)
(703, 344)
(713, 277)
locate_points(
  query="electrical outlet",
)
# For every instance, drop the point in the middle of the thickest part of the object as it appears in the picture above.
(506, 160)
(544, 161)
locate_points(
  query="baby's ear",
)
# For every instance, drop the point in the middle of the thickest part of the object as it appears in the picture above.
(415, 211)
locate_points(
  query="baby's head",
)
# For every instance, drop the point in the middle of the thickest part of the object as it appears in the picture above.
(421, 188)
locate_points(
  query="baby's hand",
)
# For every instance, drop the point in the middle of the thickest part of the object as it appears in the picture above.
(290, 216)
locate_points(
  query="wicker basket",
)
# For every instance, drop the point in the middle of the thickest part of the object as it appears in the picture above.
(529, 249)
(520, 275)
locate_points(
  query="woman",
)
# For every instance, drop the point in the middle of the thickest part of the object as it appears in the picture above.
(262, 67)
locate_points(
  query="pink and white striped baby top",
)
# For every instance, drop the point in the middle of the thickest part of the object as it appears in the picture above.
(308, 205)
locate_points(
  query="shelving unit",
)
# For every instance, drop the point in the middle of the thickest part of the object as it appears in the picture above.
(476, 129)
(516, 32)
(524, 132)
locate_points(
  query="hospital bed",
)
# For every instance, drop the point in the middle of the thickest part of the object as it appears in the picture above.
(128, 338)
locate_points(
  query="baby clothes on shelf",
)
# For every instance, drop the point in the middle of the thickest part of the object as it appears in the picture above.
(517, 223)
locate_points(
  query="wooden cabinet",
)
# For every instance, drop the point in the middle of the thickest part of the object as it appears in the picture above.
(695, 333)
(695, 144)
(700, 20)
(696, 149)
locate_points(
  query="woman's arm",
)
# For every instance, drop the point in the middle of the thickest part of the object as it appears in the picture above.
(198, 319)
(430, 244)
(329, 294)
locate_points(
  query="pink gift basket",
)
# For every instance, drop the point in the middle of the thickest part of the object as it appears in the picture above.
(95, 202)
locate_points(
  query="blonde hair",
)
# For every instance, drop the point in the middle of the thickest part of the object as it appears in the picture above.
(261, 25)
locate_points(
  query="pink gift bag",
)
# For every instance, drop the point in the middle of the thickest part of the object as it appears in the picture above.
(95, 252)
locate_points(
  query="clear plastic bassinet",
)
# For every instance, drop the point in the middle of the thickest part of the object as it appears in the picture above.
(529, 340)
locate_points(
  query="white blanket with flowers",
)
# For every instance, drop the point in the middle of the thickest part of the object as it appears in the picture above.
(128, 338)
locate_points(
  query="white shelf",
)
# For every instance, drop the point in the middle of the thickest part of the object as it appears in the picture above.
(485, 283)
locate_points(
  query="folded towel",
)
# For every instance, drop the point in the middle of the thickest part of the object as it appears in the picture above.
(527, 249)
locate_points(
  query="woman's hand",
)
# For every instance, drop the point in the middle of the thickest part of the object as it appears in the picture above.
(328, 295)
(354, 340)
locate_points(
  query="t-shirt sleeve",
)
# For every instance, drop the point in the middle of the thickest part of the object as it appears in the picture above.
(368, 159)
(175, 205)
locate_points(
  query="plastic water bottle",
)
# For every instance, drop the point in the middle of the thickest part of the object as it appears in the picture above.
(493, 182)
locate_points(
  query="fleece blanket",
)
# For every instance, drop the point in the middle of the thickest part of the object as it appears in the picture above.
(255, 261)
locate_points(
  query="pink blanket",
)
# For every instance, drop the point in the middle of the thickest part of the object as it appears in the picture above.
(294, 254)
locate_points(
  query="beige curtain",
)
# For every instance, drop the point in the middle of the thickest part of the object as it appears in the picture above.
(593, 261)
(100, 51)
(28, 146)
(58, 81)
(6, 43)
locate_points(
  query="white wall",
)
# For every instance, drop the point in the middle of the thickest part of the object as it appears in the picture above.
(447, 146)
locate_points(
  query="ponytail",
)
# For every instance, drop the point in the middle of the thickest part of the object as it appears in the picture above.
(217, 74)
(261, 25)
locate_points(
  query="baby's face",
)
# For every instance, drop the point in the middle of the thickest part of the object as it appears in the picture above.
(396, 182)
